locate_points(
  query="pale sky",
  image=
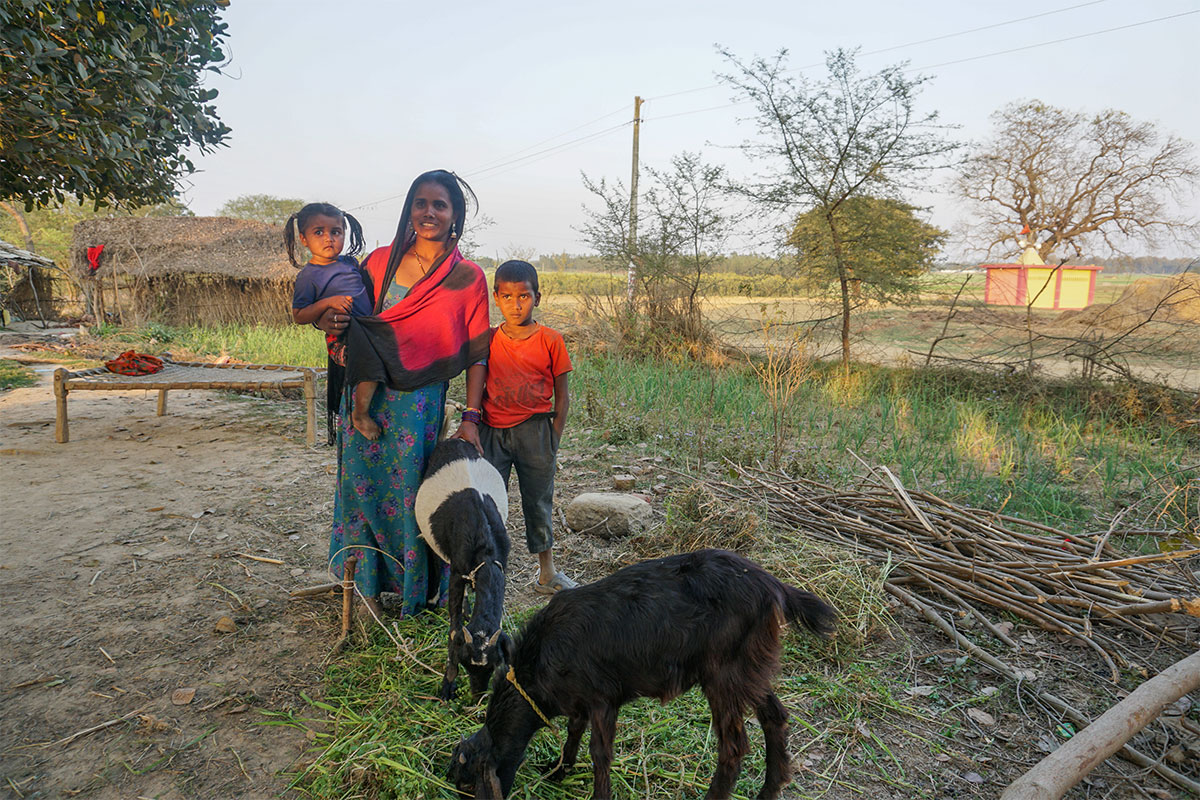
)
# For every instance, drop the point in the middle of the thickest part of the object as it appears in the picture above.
(347, 102)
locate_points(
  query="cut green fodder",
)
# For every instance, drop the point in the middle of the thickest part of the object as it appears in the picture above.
(697, 518)
(380, 733)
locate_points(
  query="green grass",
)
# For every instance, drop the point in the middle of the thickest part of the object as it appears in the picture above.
(1068, 454)
(1064, 453)
(14, 375)
(299, 345)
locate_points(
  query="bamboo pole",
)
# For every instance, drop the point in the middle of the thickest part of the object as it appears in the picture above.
(1056, 773)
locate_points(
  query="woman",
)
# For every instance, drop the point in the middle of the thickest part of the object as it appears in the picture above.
(430, 323)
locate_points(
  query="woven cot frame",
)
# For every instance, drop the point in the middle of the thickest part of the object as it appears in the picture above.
(189, 375)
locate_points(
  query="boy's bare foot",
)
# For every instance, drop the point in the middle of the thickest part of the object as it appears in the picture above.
(363, 423)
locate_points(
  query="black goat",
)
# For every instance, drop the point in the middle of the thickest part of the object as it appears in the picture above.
(460, 509)
(653, 629)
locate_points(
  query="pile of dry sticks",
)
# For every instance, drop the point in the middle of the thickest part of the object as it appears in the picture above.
(950, 560)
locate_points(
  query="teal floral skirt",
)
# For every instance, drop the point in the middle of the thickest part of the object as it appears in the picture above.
(377, 485)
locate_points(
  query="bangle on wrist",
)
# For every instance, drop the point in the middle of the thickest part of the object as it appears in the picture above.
(472, 415)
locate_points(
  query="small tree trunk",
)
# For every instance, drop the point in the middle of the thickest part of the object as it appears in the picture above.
(22, 225)
(843, 270)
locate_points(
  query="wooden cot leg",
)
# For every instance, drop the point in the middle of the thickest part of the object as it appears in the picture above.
(310, 407)
(62, 431)
(162, 402)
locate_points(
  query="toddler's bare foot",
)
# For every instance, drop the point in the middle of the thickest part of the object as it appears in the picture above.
(363, 423)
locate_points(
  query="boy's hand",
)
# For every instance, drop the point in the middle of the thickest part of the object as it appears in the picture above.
(342, 303)
(469, 432)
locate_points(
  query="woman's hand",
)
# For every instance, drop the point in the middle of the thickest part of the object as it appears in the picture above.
(333, 321)
(469, 432)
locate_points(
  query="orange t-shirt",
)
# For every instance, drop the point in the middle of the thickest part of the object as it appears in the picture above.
(521, 373)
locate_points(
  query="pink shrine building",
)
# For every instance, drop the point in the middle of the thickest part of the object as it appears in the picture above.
(1032, 282)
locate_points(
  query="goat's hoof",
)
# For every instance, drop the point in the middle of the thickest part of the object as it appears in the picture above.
(554, 772)
(447, 692)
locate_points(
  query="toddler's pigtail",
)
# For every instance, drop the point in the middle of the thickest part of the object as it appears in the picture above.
(289, 238)
(357, 244)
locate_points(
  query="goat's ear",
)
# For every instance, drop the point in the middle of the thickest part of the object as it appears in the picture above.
(506, 648)
(488, 787)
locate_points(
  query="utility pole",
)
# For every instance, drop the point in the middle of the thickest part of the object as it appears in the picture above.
(633, 198)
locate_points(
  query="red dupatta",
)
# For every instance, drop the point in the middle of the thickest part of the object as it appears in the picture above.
(435, 332)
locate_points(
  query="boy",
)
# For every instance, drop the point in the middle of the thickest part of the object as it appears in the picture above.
(525, 406)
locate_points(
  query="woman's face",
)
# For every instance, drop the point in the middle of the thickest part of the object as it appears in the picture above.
(432, 213)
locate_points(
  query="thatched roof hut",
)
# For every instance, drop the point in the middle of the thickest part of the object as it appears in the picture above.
(181, 270)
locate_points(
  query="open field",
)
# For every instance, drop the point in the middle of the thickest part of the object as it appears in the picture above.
(156, 518)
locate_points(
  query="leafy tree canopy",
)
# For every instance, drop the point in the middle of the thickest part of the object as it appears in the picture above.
(262, 207)
(886, 247)
(103, 100)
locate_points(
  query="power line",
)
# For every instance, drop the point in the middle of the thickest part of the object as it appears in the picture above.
(1006, 51)
(554, 150)
(522, 160)
(908, 44)
(488, 164)
(1060, 41)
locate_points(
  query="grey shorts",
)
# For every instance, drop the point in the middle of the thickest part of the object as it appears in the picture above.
(530, 447)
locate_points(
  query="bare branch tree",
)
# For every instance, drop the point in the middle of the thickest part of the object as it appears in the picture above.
(1077, 181)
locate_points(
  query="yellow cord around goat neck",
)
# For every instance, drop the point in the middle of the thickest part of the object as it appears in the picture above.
(512, 678)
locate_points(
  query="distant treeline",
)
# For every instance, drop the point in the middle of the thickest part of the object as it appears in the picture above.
(733, 264)
(1147, 265)
(754, 265)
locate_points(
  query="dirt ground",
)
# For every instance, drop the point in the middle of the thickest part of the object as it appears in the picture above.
(121, 551)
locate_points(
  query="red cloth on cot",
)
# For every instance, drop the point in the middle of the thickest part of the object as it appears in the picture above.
(132, 362)
(93, 256)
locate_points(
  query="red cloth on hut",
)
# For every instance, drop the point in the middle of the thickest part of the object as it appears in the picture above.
(93, 257)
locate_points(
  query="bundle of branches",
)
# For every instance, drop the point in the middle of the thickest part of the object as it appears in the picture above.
(951, 560)
(970, 558)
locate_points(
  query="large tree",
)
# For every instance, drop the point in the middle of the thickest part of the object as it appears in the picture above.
(262, 207)
(1078, 181)
(886, 248)
(823, 144)
(104, 100)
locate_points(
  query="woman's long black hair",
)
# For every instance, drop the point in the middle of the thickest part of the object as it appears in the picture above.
(298, 222)
(456, 188)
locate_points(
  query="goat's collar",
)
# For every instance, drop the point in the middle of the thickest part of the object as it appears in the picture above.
(470, 576)
(511, 676)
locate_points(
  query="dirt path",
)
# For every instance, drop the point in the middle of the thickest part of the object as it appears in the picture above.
(119, 552)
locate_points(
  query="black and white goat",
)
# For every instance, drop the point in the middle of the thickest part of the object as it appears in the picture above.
(653, 629)
(460, 508)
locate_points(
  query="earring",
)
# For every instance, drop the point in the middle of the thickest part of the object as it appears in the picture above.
(453, 233)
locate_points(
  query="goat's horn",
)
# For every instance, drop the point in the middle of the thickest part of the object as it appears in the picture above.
(462, 758)
(494, 638)
(466, 634)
